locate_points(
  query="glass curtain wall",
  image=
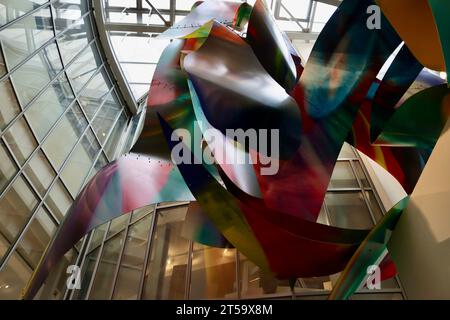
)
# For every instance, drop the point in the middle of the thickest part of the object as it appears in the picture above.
(61, 119)
(145, 256)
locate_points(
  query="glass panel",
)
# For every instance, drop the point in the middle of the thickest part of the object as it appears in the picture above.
(71, 127)
(105, 118)
(82, 69)
(86, 274)
(26, 35)
(93, 94)
(132, 263)
(32, 76)
(376, 210)
(213, 273)
(323, 217)
(66, 12)
(40, 172)
(44, 112)
(118, 224)
(348, 210)
(361, 175)
(14, 276)
(75, 39)
(343, 176)
(21, 141)
(81, 160)
(7, 167)
(346, 152)
(16, 207)
(141, 212)
(10, 107)
(58, 200)
(165, 277)
(10, 10)
(256, 283)
(101, 162)
(102, 286)
(39, 232)
(55, 285)
(114, 138)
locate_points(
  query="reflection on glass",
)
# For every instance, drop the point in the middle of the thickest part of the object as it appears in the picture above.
(71, 127)
(50, 105)
(40, 172)
(213, 274)
(56, 284)
(10, 108)
(16, 207)
(14, 276)
(26, 35)
(132, 262)
(21, 141)
(82, 69)
(102, 286)
(10, 10)
(86, 274)
(343, 176)
(256, 283)
(34, 74)
(66, 12)
(376, 210)
(7, 167)
(118, 224)
(104, 120)
(139, 213)
(361, 175)
(348, 210)
(38, 234)
(165, 276)
(58, 200)
(80, 161)
(75, 39)
(113, 140)
(94, 92)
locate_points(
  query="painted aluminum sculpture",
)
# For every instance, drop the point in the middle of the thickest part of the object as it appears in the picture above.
(230, 67)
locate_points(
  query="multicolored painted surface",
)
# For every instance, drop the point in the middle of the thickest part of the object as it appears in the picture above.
(230, 67)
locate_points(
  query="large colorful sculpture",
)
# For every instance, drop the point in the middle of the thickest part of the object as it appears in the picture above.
(230, 67)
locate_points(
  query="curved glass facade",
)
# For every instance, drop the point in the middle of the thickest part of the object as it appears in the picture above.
(61, 120)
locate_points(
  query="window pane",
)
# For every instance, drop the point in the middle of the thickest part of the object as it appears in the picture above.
(10, 108)
(32, 76)
(82, 69)
(256, 283)
(14, 276)
(346, 152)
(35, 240)
(86, 274)
(132, 262)
(44, 112)
(7, 167)
(66, 12)
(10, 10)
(139, 213)
(81, 160)
(75, 39)
(40, 172)
(118, 224)
(213, 273)
(114, 138)
(58, 200)
(104, 120)
(71, 127)
(361, 175)
(101, 162)
(348, 210)
(94, 93)
(376, 210)
(21, 141)
(343, 176)
(102, 286)
(16, 207)
(26, 35)
(166, 272)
